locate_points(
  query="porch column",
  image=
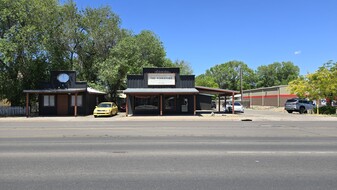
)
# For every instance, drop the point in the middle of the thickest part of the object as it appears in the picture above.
(219, 103)
(161, 105)
(195, 104)
(127, 106)
(233, 100)
(27, 104)
(75, 107)
(262, 97)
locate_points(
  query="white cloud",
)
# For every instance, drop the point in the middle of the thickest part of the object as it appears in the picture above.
(297, 52)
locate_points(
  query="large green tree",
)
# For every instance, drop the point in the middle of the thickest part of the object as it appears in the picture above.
(276, 74)
(227, 75)
(101, 32)
(206, 80)
(23, 31)
(130, 55)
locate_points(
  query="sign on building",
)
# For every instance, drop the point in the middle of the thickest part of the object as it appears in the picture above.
(161, 79)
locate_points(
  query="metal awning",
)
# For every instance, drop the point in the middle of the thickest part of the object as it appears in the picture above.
(161, 91)
(94, 91)
(56, 91)
(217, 91)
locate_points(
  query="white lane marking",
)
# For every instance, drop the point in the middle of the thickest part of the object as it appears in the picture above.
(150, 153)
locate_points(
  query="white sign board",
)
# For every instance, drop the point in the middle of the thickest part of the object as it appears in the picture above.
(161, 79)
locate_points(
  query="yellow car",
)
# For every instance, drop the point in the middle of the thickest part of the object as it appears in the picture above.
(106, 109)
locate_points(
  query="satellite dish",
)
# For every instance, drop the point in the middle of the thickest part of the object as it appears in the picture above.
(63, 77)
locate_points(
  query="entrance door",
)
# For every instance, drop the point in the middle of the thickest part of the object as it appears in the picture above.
(62, 104)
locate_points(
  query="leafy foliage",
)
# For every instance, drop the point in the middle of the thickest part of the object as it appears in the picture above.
(37, 36)
(328, 110)
(23, 59)
(130, 55)
(185, 67)
(206, 80)
(227, 75)
(318, 85)
(276, 74)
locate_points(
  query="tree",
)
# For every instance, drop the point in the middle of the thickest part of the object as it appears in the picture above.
(23, 60)
(206, 80)
(276, 74)
(100, 33)
(227, 75)
(129, 56)
(185, 67)
(318, 85)
(151, 49)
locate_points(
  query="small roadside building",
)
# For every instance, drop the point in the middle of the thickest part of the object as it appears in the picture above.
(64, 96)
(163, 91)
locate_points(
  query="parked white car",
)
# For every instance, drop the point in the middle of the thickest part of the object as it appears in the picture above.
(238, 107)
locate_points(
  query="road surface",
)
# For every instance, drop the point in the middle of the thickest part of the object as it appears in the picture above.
(168, 155)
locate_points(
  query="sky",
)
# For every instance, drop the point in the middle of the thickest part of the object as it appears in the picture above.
(258, 32)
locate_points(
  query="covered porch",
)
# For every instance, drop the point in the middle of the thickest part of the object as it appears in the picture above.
(220, 93)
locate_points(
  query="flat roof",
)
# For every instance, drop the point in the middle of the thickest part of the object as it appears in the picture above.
(161, 91)
(265, 88)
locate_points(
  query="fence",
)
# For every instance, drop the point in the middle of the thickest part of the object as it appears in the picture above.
(12, 111)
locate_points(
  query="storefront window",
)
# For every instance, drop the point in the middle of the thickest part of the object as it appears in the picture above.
(170, 103)
(146, 103)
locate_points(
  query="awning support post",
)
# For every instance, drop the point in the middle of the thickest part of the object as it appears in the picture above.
(127, 106)
(219, 103)
(195, 105)
(161, 105)
(233, 100)
(27, 104)
(75, 107)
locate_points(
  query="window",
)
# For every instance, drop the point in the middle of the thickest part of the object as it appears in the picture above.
(79, 100)
(146, 103)
(49, 100)
(170, 103)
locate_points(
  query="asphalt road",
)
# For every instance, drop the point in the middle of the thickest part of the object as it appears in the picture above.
(168, 155)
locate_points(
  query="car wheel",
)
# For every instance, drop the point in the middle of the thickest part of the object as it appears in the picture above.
(289, 111)
(95, 116)
(302, 110)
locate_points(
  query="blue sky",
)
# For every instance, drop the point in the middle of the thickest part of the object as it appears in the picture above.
(258, 32)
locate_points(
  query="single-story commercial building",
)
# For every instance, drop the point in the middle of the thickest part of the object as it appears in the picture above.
(163, 91)
(267, 96)
(64, 96)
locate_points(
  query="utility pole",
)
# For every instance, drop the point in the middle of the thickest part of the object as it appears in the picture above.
(241, 89)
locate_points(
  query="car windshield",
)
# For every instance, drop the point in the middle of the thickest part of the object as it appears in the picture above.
(105, 105)
(237, 104)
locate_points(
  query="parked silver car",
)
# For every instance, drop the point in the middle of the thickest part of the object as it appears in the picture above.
(298, 105)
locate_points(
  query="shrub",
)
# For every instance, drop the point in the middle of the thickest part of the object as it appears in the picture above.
(326, 110)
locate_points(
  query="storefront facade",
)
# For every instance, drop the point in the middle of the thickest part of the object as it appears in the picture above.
(163, 91)
(160, 91)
